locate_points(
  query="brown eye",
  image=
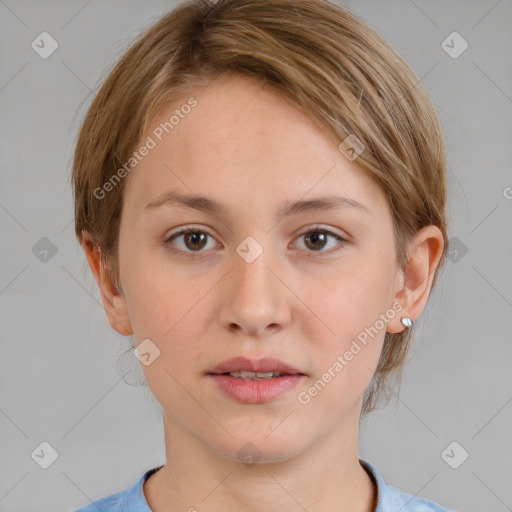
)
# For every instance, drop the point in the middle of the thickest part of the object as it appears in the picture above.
(316, 239)
(193, 240)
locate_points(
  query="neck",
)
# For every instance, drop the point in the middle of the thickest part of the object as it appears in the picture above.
(326, 476)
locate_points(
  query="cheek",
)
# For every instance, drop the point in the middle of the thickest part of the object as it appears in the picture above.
(175, 319)
(173, 311)
(350, 299)
(163, 301)
(349, 317)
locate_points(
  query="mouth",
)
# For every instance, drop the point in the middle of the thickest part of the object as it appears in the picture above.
(255, 381)
(255, 375)
(252, 369)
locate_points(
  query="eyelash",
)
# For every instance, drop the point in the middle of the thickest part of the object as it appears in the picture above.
(191, 229)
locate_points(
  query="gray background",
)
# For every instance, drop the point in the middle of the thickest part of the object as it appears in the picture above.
(60, 380)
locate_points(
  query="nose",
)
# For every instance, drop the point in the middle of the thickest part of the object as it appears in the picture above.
(256, 299)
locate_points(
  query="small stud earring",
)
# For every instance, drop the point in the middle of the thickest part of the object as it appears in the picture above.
(406, 321)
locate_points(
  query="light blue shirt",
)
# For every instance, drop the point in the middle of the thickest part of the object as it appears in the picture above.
(389, 498)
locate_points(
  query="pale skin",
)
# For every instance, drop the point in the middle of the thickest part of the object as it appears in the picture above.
(299, 301)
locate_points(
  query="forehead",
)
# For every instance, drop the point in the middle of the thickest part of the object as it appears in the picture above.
(240, 141)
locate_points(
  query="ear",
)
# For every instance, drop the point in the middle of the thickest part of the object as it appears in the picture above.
(413, 284)
(113, 299)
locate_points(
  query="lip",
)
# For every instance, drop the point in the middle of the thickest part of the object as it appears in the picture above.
(265, 364)
(255, 391)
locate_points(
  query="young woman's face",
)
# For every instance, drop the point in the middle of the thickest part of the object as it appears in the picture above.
(254, 281)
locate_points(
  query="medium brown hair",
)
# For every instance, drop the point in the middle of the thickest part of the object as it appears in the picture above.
(319, 57)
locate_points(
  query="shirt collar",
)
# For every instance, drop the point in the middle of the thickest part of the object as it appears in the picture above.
(137, 501)
(379, 483)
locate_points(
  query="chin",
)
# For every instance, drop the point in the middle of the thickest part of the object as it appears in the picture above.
(258, 448)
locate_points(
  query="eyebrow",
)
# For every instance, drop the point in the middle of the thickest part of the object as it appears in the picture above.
(205, 204)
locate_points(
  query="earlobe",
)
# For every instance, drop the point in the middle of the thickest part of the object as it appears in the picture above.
(423, 259)
(118, 316)
(114, 301)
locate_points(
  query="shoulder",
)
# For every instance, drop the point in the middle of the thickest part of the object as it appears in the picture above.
(391, 499)
(409, 503)
(112, 503)
(131, 499)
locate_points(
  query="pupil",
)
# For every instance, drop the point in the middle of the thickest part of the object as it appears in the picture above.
(196, 239)
(315, 237)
